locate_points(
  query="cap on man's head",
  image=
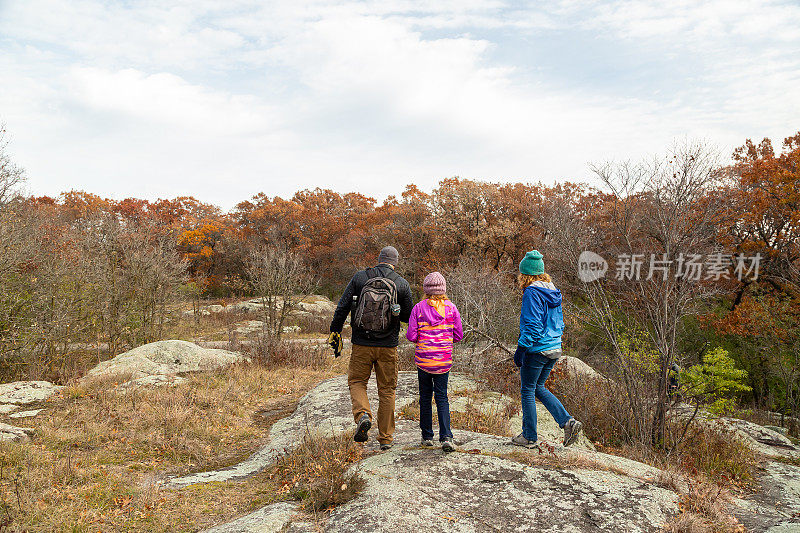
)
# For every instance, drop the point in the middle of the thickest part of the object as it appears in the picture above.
(389, 255)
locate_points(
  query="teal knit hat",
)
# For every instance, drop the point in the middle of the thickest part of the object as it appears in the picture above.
(532, 263)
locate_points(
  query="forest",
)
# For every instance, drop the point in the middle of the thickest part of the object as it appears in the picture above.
(85, 277)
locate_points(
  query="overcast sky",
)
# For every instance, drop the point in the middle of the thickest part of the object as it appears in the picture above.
(225, 99)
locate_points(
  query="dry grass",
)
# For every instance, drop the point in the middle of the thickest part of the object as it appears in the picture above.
(718, 454)
(272, 353)
(316, 472)
(493, 419)
(98, 449)
(548, 458)
(704, 509)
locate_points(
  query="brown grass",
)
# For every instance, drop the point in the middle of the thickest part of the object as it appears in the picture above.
(98, 449)
(272, 353)
(704, 509)
(493, 419)
(316, 472)
(548, 458)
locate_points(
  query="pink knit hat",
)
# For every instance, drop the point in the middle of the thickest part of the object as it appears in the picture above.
(434, 284)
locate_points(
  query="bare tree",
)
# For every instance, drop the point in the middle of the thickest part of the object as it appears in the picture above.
(281, 281)
(489, 307)
(11, 176)
(662, 213)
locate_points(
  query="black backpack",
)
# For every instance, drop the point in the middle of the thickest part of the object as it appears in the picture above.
(374, 309)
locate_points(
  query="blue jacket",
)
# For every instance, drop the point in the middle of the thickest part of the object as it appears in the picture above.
(541, 321)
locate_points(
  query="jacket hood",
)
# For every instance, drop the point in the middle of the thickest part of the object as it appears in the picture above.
(431, 315)
(547, 291)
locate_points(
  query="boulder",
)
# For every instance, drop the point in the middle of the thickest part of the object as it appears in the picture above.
(577, 368)
(12, 433)
(317, 305)
(164, 358)
(775, 506)
(25, 392)
(249, 326)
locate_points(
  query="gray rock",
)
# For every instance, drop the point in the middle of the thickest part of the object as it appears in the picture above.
(270, 519)
(24, 392)
(577, 368)
(249, 326)
(164, 358)
(26, 414)
(419, 490)
(13, 433)
(155, 380)
(775, 507)
(763, 440)
(785, 527)
(6, 408)
(317, 305)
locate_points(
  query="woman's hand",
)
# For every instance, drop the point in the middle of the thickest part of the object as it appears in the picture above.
(519, 356)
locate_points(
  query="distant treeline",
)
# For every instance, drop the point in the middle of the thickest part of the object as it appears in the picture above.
(81, 268)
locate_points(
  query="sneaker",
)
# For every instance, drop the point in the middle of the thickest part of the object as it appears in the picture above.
(386, 446)
(427, 443)
(572, 429)
(520, 440)
(448, 446)
(364, 423)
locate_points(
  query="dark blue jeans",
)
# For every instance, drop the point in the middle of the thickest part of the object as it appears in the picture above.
(533, 374)
(430, 386)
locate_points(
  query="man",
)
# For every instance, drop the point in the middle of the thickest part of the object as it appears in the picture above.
(377, 299)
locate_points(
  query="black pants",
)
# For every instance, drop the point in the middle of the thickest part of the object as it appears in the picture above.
(430, 386)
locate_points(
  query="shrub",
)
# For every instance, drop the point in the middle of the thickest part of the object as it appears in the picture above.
(272, 353)
(704, 509)
(717, 453)
(317, 471)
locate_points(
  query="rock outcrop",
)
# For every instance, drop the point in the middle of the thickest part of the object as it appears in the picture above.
(763, 440)
(8, 432)
(144, 364)
(479, 488)
(25, 392)
(19, 393)
(487, 485)
(312, 305)
(576, 368)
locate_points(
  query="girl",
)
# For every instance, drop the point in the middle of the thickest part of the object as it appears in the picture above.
(538, 349)
(434, 325)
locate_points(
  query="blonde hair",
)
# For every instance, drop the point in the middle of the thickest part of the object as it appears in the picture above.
(524, 280)
(436, 297)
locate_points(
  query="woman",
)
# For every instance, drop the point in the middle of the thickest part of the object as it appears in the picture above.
(538, 349)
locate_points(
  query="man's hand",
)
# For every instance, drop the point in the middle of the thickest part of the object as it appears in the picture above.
(335, 340)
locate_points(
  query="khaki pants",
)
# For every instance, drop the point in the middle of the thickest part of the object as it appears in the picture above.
(384, 360)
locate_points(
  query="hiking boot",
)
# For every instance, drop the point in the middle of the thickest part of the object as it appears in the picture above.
(386, 446)
(448, 445)
(364, 423)
(520, 440)
(572, 430)
(428, 443)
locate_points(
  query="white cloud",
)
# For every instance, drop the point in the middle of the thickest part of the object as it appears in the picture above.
(225, 100)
